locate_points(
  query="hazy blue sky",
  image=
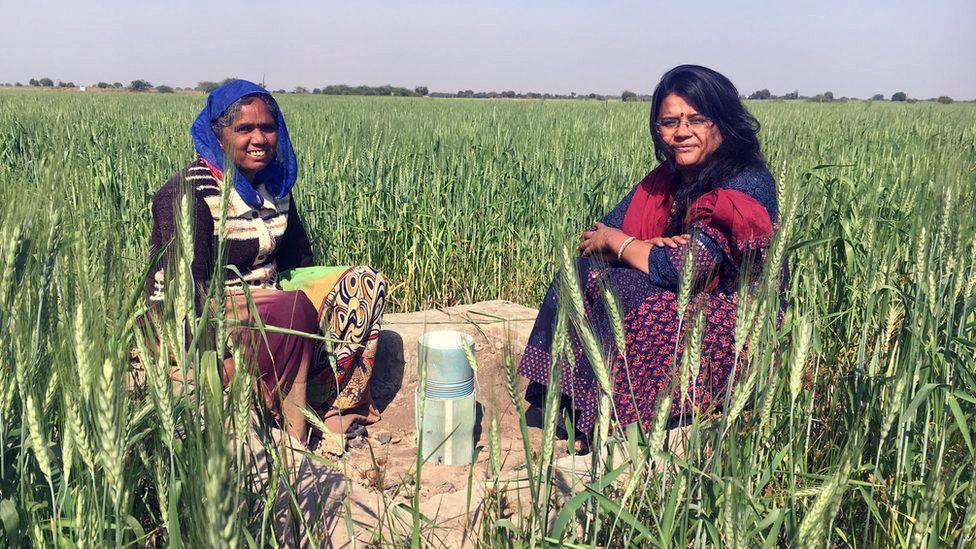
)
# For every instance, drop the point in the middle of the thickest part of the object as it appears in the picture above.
(851, 48)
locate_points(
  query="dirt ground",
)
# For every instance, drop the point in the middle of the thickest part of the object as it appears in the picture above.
(375, 477)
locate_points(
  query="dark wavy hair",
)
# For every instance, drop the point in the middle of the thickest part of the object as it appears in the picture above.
(714, 96)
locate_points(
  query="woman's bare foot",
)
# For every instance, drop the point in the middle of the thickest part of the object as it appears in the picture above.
(580, 447)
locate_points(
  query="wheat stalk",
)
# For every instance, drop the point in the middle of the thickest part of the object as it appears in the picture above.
(159, 386)
(52, 389)
(106, 421)
(84, 351)
(11, 244)
(691, 359)
(801, 351)
(766, 404)
(730, 517)
(494, 450)
(814, 527)
(38, 437)
(741, 396)
(930, 499)
(685, 281)
(967, 532)
(616, 317)
(893, 322)
(68, 451)
(75, 424)
(551, 412)
(971, 281)
(659, 423)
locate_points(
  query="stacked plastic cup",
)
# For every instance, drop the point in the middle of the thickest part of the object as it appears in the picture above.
(449, 412)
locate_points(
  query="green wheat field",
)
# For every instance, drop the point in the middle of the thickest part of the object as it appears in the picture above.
(851, 424)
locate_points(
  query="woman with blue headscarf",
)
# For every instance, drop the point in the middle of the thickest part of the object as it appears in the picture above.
(241, 140)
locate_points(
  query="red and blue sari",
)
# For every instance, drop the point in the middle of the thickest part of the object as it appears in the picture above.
(731, 228)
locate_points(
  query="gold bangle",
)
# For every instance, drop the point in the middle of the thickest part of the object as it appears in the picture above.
(623, 246)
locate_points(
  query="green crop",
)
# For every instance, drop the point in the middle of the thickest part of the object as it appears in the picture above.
(851, 423)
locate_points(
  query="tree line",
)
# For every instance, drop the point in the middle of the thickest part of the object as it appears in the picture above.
(828, 96)
(206, 86)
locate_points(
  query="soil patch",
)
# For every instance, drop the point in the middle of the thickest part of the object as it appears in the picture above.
(376, 477)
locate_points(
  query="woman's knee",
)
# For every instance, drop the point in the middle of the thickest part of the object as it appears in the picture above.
(366, 281)
(378, 279)
(306, 316)
(292, 310)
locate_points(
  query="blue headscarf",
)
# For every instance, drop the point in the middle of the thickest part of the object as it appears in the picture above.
(278, 178)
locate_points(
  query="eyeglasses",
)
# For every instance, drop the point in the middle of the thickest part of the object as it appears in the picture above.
(694, 123)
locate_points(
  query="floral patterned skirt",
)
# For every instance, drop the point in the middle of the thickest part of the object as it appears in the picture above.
(654, 341)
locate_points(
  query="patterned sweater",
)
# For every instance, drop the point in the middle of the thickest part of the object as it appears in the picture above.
(260, 243)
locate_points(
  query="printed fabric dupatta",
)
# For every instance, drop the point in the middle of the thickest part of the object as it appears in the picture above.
(743, 222)
(647, 215)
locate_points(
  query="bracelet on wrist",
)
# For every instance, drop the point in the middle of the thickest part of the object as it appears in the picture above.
(623, 246)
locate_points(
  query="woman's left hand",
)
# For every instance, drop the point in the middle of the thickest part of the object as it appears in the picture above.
(597, 241)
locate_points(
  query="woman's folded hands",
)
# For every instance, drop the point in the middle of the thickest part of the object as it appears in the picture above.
(603, 241)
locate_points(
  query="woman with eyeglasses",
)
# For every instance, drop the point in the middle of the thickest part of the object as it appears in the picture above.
(711, 199)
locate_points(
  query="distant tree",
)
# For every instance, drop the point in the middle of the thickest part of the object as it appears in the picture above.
(877, 97)
(228, 80)
(944, 99)
(206, 86)
(103, 85)
(34, 82)
(279, 91)
(46, 82)
(761, 94)
(316, 90)
(899, 96)
(795, 94)
(300, 89)
(66, 84)
(117, 85)
(18, 84)
(628, 95)
(140, 85)
(828, 96)
(422, 91)
(164, 89)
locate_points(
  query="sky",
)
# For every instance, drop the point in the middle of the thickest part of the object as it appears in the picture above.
(855, 49)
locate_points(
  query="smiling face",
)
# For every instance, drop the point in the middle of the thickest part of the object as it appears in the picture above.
(252, 139)
(693, 139)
